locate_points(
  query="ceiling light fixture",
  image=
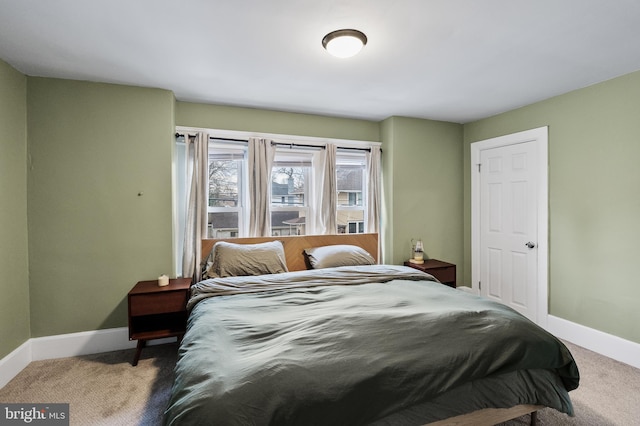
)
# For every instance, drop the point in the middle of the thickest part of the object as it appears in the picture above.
(344, 43)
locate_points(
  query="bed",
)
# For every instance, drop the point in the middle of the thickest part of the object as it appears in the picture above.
(329, 336)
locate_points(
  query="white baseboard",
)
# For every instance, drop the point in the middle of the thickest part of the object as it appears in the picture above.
(67, 345)
(597, 341)
(82, 343)
(13, 363)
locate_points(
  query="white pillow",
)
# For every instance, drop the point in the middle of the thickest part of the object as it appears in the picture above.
(230, 259)
(338, 255)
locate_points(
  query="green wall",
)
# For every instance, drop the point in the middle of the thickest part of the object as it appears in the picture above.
(422, 172)
(92, 149)
(389, 142)
(14, 284)
(265, 121)
(594, 200)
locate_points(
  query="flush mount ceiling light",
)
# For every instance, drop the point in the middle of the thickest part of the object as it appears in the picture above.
(344, 43)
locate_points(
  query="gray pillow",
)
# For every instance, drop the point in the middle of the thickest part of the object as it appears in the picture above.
(230, 259)
(338, 255)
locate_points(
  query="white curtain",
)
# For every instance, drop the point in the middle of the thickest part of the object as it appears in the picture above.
(373, 189)
(328, 209)
(261, 155)
(196, 220)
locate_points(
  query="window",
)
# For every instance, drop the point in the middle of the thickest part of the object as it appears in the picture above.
(350, 174)
(227, 191)
(291, 180)
(356, 227)
(295, 186)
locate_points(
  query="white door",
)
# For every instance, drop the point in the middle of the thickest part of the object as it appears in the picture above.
(508, 226)
(509, 238)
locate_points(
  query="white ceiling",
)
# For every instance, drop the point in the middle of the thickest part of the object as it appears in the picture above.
(452, 60)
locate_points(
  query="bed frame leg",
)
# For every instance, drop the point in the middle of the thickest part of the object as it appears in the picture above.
(534, 418)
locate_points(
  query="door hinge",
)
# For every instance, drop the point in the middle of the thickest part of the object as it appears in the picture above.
(479, 164)
(480, 285)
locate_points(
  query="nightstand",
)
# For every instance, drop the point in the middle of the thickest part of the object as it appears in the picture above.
(156, 312)
(443, 271)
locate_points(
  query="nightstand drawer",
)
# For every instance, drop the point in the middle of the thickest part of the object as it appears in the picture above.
(158, 303)
(444, 275)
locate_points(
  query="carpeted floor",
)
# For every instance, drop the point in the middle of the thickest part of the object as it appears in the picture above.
(101, 389)
(104, 389)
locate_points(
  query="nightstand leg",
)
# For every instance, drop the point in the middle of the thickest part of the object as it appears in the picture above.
(141, 344)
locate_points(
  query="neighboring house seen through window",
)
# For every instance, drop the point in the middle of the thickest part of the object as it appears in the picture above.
(350, 171)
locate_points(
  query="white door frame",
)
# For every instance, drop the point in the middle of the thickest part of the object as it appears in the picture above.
(540, 136)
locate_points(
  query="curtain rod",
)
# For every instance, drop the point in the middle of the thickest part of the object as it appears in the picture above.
(178, 135)
(297, 145)
(290, 145)
(353, 148)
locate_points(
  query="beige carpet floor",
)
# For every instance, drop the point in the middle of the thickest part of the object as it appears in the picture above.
(104, 389)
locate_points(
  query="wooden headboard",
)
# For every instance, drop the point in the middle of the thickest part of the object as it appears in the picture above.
(295, 245)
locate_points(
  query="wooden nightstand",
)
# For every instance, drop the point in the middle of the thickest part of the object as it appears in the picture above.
(156, 312)
(443, 271)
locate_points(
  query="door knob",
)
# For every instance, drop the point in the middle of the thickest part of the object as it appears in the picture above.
(530, 245)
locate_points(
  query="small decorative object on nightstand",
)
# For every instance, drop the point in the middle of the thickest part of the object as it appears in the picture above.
(418, 252)
(443, 271)
(157, 311)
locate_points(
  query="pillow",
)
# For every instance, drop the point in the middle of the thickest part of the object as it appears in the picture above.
(230, 259)
(338, 255)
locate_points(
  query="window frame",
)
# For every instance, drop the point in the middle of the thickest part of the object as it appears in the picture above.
(296, 157)
(235, 153)
(353, 158)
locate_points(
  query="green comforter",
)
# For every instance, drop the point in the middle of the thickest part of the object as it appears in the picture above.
(351, 345)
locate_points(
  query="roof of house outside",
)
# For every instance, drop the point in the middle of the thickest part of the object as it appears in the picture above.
(229, 220)
(295, 221)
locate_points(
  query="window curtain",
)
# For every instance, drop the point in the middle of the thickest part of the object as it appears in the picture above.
(261, 155)
(196, 220)
(373, 190)
(328, 210)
